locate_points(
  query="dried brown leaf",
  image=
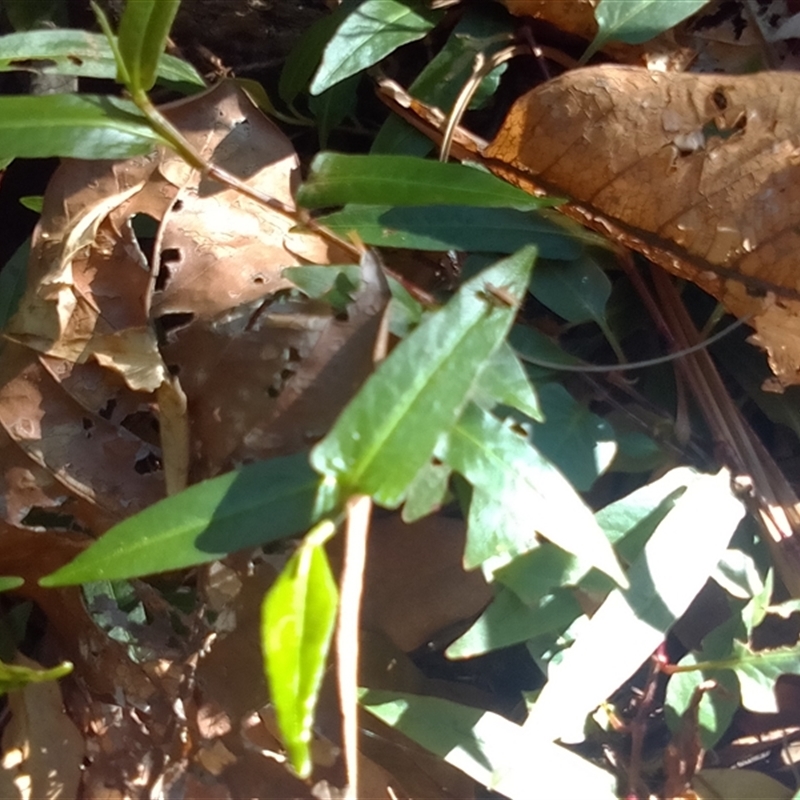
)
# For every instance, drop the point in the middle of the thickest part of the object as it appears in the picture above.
(698, 172)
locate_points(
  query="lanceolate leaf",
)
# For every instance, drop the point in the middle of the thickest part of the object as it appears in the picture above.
(518, 495)
(368, 34)
(482, 230)
(143, 32)
(664, 579)
(336, 179)
(250, 506)
(504, 381)
(476, 741)
(388, 432)
(73, 52)
(297, 619)
(636, 21)
(72, 126)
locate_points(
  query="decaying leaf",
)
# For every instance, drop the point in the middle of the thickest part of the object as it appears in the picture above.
(698, 172)
(269, 379)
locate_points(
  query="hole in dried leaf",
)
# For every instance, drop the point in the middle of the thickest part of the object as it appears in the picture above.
(87, 424)
(145, 230)
(167, 323)
(177, 205)
(168, 255)
(719, 99)
(147, 464)
(143, 424)
(107, 410)
(48, 519)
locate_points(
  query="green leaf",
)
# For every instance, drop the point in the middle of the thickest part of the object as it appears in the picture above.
(389, 430)
(336, 284)
(476, 741)
(507, 620)
(12, 281)
(504, 381)
(537, 573)
(368, 34)
(577, 291)
(26, 14)
(8, 582)
(13, 676)
(253, 505)
(427, 492)
(517, 496)
(758, 670)
(297, 621)
(716, 708)
(485, 230)
(333, 106)
(73, 126)
(637, 21)
(632, 622)
(75, 52)
(480, 29)
(581, 444)
(336, 179)
(33, 202)
(143, 32)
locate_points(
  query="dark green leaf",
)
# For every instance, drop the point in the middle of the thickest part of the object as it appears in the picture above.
(369, 33)
(577, 291)
(74, 126)
(26, 14)
(143, 32)
(306, 54)
(537, 573)
(74, 52)
(507, 620)
(388, 432)
(336, 180)
(517, 496)
(485, 230)
(637, 21)
(578, 442)
(333, 106)
(297, 620)
(253, 505)
(12, 282)
(504, 382)
(480, 29)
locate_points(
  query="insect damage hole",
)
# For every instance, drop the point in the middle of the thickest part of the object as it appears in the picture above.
(169, 255)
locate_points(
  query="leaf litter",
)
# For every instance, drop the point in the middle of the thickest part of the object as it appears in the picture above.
(158, 326)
